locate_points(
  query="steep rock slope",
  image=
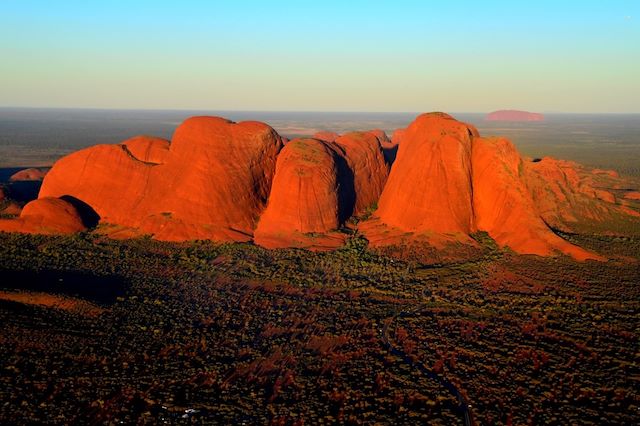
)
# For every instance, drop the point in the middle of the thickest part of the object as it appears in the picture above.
(304, 205)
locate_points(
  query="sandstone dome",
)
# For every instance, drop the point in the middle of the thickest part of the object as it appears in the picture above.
(46, 216)
(304, 199)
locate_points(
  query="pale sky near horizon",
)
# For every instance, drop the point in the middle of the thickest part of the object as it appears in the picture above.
(547, 56)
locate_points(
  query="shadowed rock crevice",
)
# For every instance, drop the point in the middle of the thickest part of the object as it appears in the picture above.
(89, 217)
(346, 190)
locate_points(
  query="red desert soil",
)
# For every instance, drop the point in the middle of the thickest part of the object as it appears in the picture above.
(64, 303)
(514, 115)
(29, 175)
(227, 181)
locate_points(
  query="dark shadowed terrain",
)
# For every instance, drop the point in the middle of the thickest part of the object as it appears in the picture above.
(236, 334)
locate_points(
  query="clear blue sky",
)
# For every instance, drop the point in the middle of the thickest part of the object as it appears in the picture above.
(571, 56)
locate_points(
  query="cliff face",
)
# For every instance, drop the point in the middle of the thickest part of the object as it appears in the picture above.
(514, 115)
(228, 181)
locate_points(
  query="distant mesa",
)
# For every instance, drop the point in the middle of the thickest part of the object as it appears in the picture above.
(514, 115)
(31, 174)
(225, 181)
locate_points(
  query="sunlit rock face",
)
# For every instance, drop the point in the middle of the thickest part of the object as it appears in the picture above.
(435, 182)
(304, 205)
(46, 216)
(212, 182)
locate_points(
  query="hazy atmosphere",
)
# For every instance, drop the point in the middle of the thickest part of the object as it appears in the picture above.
(545, 56)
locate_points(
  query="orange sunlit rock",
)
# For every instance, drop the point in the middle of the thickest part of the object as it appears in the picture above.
(45, 216)
(504, 208)
(227, 181)
(148, 149)
(326, 136)
(632, 195)
(397, 136)
(304, 204)
(213, 184)
(429, 187)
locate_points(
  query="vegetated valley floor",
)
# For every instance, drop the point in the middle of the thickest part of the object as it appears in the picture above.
(100, 331)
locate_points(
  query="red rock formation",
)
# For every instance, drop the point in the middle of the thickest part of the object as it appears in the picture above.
(303, 207)
(217, 179)
(381, 135)
(2, 195)
(29, 175)
(213, 181)
(632, 195)
(213, 184)
(397, 136)
(326, 136)
(572, 198)
(389, 148)
(514, 115)
(504, 208)
(448, 182)
(106, 177)
(366, 162)
(429, 187)
(148, 149)
(45, 216)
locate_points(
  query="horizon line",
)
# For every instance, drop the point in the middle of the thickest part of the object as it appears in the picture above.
(302, 111)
